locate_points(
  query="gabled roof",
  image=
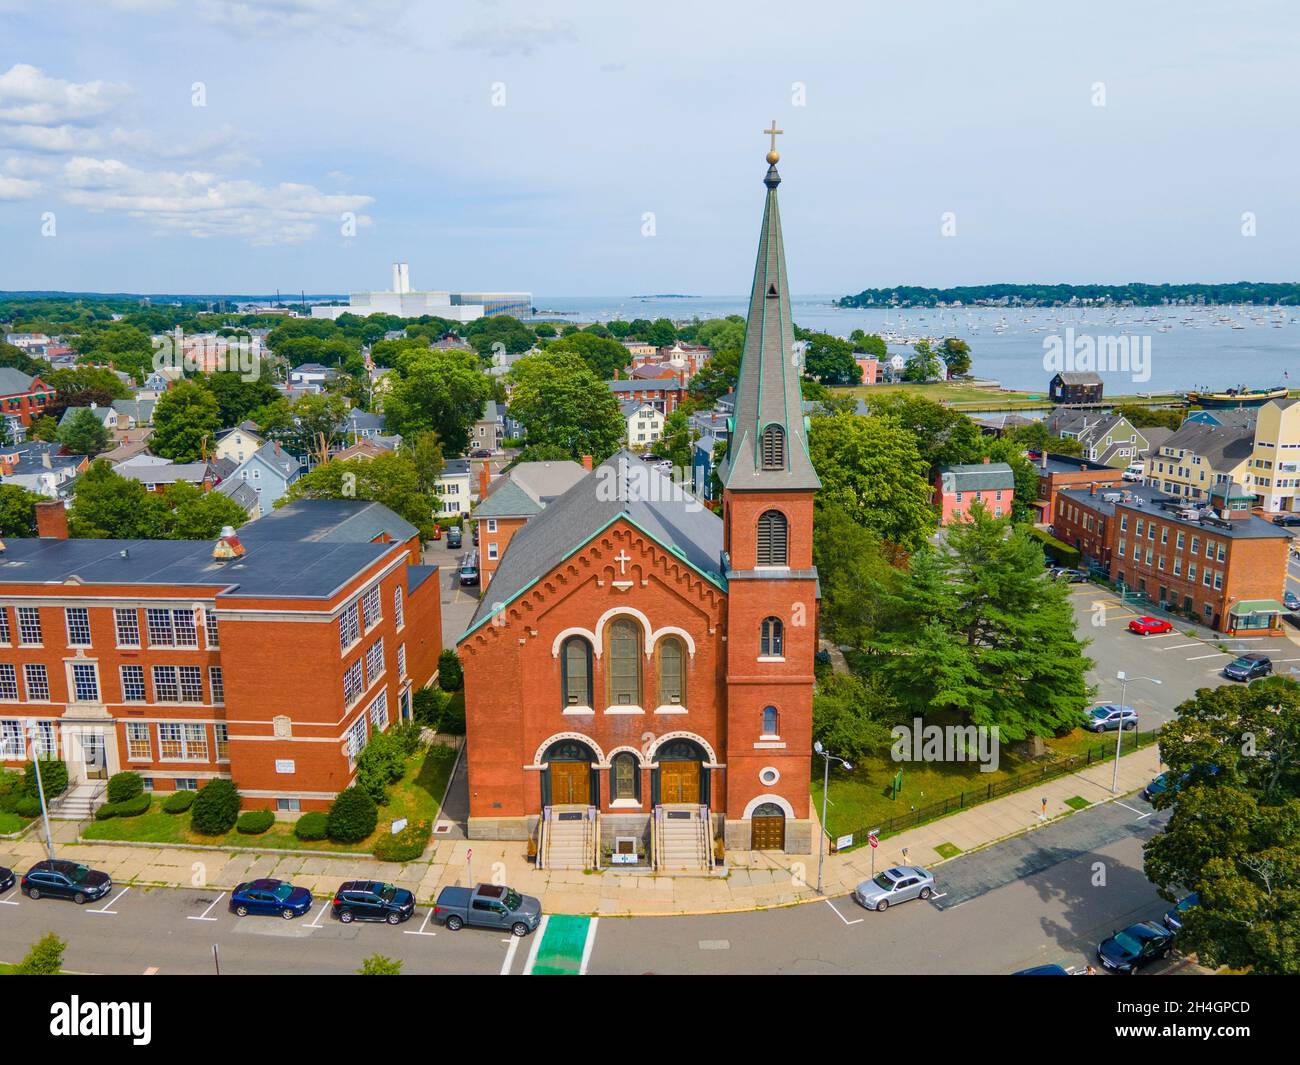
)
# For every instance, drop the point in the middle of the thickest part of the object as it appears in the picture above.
(139, 409)
(623, 486)
(348, 521)
(13, 382)
(767, 389)
(277, 458)
(1222, 446)
(978, 477)
(545, 481)
(1071, 377)
(508, 501)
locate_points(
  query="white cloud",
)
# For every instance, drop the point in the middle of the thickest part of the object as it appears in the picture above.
(18, 188)
(520, 38)
(261, 16)
(28, 97)
(203, 205)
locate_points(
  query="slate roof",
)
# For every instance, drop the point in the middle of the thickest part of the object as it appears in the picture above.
(163, 472)
(14, 382)
(240, 491)
(139, 409)
(767, 390)
(979, 477)
(1071, 377)
(99, 412)
(277, 458)
(269, 569)
(622, 486)
(545, 481)
(355, 521)
(1222, 446)
(508, 501)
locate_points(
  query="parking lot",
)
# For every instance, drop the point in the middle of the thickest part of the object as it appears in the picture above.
(1185, 660)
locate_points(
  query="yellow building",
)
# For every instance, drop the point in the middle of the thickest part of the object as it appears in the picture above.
(1275, 461)
(1199, 456)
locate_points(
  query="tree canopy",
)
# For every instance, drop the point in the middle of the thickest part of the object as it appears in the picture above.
(561, 402)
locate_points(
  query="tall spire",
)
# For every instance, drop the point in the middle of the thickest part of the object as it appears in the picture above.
(768, 448)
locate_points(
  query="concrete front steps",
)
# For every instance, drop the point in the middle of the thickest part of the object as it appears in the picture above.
(79, 802)
(684, 842)
(568, 843)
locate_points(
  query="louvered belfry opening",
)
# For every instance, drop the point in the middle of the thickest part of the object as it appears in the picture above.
(772, 539)
(773, 457)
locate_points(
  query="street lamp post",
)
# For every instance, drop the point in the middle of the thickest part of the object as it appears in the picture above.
(1122, 677)
(33, 732)
(827, 758)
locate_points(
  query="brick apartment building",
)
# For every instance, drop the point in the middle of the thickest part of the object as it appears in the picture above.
(268, 658)
(664, 394)
(22, 397)
(1219, 562)
(1065, 471)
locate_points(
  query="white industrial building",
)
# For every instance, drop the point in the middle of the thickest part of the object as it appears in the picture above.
(404, 303)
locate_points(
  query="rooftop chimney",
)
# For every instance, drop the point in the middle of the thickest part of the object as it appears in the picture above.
(52, 519)
(586, 462)
(1092, 488)
(228, 547)
(484, 479)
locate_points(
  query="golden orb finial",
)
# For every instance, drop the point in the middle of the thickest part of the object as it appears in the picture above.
(773, 157)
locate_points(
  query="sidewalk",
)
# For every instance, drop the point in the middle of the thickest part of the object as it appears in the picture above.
(754, 880)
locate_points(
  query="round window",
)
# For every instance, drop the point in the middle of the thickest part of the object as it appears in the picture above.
(768, 775)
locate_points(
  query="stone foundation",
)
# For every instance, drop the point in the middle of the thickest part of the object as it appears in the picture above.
(501, 827)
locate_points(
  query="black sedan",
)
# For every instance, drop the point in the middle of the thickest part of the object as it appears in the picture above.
(1136, 946)
(6, 879)
(66, 880)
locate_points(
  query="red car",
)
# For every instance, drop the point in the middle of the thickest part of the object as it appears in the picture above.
(1149, 626)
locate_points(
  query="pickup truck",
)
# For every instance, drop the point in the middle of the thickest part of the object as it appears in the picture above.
(487, 906)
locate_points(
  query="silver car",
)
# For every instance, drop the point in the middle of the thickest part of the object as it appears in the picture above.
(899, 884)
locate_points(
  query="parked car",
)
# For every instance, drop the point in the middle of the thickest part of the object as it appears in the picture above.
(371, 900)
(899, 884)
(1136, 946)
(480, 453)
(1286, 519)
(1044, 970)
(7, 879)
(1150, 626)
(1249, 666)
(1291, 601)
(453, 538)
(1065, 573)
(1165, 782)
(267, 896)
(1173, 920)
(59, 879)
(468, 571)
(437, 532)
(487, 906)
(1108, 716)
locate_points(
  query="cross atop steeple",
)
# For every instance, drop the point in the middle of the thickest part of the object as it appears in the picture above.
(772, 155)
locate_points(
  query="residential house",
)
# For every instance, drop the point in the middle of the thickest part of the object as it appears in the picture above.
(237, 444)
(312, 377)
(663, 395)
(158, 474)
(135, 412)
(1198, 456)
(107, 416)
(269, 471)
(1275, 460)
(957, 489)
(486, 433)
(23, 398)
(41, 467)
(452, 488)
(1070, 387)
(1067, 471)
(1106, 438)
(243, 494)
(645, 424)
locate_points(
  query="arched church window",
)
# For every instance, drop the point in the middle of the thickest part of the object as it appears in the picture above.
(575, 659)
(772, 640)
(772, 539)
(771, 721)
(773, 448)
(624, 662)
(672, 673)
(624, 777)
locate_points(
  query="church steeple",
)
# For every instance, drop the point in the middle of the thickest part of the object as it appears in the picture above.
(768, 447)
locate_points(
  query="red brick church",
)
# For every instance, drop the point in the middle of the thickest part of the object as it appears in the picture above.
(642, 667)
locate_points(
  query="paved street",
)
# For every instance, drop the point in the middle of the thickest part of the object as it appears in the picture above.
(1182, 663)
(1031, 900)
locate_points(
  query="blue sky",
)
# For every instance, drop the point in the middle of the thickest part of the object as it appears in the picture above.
(521, 145)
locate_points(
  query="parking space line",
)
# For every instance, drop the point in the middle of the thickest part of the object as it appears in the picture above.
(319, 914)
(1131, 810)
(841, 916)
(1217, 654)
(110, 902)
(1180, 646)
(421, 930)
(511, 951)
(941, 895)
(8, 902)
(1159, 635)
(204, 915)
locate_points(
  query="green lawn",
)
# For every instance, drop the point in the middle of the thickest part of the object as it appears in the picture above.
(861, 799)
(963, 395)
(10, 823)
(415, 797)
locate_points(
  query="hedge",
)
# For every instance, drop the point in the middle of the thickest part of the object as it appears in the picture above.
(124, 786)
(312, 826)
(28, 806)
(132, 807)
(179, 801)
(1055, 549)
(404, 846)
(450, 675)
(54, 778)
(216, 808)
(255, 822)
(352, 816)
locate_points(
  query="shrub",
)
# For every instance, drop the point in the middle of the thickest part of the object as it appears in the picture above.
(45, 957)
(380, 965)
(312, 826)
(54, 778)
(352, 816)
(404, 846)
(255, 822)
(132, 807)
(27, 806)
(216, 808)
(179, 801)
(1062, 553)
(427, 706)
(407, 736)
(450, 676)
(382, 762)
(124, 786)
(453, 715)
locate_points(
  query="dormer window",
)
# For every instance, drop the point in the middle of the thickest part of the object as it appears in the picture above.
(773, 448)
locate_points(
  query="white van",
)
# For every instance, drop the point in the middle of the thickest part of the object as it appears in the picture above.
(1134, 472)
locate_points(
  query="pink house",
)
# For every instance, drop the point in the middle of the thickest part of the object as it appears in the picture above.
(870, 367)
(958, 488)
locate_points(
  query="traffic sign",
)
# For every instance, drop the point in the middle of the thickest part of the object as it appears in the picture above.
(873, 841)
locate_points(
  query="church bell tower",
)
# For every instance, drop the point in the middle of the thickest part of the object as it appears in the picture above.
(768, 483)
